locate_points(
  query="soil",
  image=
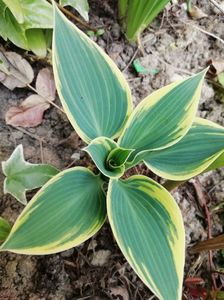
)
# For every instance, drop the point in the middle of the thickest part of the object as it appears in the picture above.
(170, 49)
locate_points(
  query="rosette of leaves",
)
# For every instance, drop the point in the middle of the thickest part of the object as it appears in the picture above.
(27, 23)
(162, 131)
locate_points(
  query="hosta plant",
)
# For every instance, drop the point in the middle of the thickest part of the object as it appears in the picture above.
(136, 15)
(162, 131)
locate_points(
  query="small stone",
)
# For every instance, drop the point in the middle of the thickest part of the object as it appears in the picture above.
(75, 156)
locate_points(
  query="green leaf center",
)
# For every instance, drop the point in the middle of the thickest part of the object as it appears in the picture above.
(109, 158)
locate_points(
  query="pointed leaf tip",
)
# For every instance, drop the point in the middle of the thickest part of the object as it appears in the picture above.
(200, 149)
(67, 211)
(148, 227)
(164, 117)
(91, 87)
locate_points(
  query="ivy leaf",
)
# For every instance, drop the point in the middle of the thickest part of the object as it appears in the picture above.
(22, 176)
(81, 6)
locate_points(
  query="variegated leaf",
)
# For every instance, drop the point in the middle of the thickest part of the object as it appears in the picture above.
(164, 117)
(93, 92)
(148, 228)
(67, 211)
(192, 155)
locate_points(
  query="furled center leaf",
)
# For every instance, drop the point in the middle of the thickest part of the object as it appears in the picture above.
(22, 176)
(108, 156)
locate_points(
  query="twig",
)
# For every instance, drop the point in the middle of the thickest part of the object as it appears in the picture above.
(84, 298)
(215, 186)
(196, 265)
(133, 285)
(39, 139)
(216, 4)
(69, 14)
(210, 244)
(71, 164)
(203, 198)
(204, 31)
(46, 99)
(41, 152)
(131, 60)
(83, 257)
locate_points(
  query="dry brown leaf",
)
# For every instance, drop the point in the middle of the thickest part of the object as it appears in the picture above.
(45, 84)
(19, 71)
(119, 292)
(216, 243)
(196, 13)
(28, 114)
(33, 100)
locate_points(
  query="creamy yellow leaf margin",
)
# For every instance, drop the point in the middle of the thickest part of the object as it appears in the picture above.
(177, 244)
(107, 59)
(55, 247)
(206, 166)
(151, 101)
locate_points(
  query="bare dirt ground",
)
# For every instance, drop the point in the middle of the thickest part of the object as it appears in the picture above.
(170, 49)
